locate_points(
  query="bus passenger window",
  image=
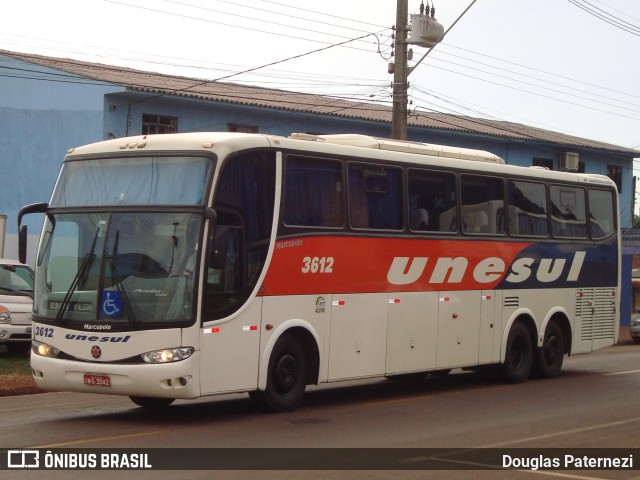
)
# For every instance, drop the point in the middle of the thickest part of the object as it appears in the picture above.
(375, 197)
(313, 193)
(568, 218)
(482, 205)
(527, 209)
(601, 213)
(432, 201)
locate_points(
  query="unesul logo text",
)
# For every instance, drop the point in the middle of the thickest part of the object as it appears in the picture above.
(406, 270)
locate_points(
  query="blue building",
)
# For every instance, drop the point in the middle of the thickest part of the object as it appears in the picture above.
(48, 105)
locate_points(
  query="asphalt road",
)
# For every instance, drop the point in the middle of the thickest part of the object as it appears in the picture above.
(593, 404)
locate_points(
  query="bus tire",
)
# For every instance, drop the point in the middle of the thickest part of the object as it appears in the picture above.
(286, 377)
(152, 403)
(518, 358)
(549, 357)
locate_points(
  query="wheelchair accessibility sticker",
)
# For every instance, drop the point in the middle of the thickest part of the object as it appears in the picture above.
(111, 304)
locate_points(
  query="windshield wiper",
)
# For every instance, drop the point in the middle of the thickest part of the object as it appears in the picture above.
(24, 293)
(117, 281)
(81, 275)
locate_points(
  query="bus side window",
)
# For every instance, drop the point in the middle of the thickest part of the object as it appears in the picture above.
(528, 209)
(568, 216)
(482, 205)
(432, 201)
(375, 197)
(313, 193)
(602, 213)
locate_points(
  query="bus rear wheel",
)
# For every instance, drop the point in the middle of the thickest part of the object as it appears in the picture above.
(151, 402)
(519, 354)
(286, 377)
(550, 356)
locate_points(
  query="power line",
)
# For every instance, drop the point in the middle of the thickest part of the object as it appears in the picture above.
(537, 94)
(270, 64)
(312, 78)
(531, 77)
(522, 82)
(190, 17)
(619, 11)
(321, 13)
(540, 70)
(606, 17)
(288, 15)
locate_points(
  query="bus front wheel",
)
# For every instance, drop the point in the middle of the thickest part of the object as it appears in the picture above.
(286, 377)
(519, 354)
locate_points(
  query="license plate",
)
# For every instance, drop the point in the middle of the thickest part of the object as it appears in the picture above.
(97, 380)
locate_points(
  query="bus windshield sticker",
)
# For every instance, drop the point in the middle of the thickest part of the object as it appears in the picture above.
(111, 304)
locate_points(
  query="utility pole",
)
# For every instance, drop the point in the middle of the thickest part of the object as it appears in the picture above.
(425, 32)
(399, 115)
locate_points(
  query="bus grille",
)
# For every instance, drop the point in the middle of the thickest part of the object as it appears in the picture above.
(597, 308)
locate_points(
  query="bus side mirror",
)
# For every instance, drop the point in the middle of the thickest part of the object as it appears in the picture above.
(22, 244)
(219, 248)
(22, 229)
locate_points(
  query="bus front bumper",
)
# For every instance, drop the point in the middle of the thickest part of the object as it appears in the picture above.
(169, 380)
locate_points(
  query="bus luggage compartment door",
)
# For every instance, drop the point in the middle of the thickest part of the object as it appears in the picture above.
(412, 332)
(458, 328)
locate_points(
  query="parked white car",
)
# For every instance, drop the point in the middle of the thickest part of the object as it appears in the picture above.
(16, 305)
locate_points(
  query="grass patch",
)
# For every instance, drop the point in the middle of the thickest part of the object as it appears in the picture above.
(14, 365)
(15, 374)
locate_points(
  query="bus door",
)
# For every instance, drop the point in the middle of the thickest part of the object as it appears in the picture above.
(230, 346)
(237, 255)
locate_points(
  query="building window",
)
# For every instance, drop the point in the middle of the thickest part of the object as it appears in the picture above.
(241, 128)
(614, 172)
(153, 124)
(543, 162)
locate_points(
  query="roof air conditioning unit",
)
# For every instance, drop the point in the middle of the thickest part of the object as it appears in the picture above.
(569, 162)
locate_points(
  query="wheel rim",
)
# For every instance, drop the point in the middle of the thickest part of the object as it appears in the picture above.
(552, 350)
(286, 374)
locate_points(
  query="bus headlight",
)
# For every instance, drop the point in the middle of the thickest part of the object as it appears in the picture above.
(44, 350)
(167, 355)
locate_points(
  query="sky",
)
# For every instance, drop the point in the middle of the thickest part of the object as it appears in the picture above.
(570, 66)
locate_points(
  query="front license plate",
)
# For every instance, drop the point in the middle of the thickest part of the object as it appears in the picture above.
(97, 380)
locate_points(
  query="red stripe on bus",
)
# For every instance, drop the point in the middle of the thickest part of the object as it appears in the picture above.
(312, 265)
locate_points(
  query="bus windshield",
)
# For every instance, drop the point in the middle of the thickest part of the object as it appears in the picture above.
(128, 268)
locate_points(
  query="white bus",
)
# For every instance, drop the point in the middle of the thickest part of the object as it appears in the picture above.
(177, 266)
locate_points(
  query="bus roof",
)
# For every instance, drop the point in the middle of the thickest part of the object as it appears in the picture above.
(405, 146)
(199, 140)
(424, 154)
